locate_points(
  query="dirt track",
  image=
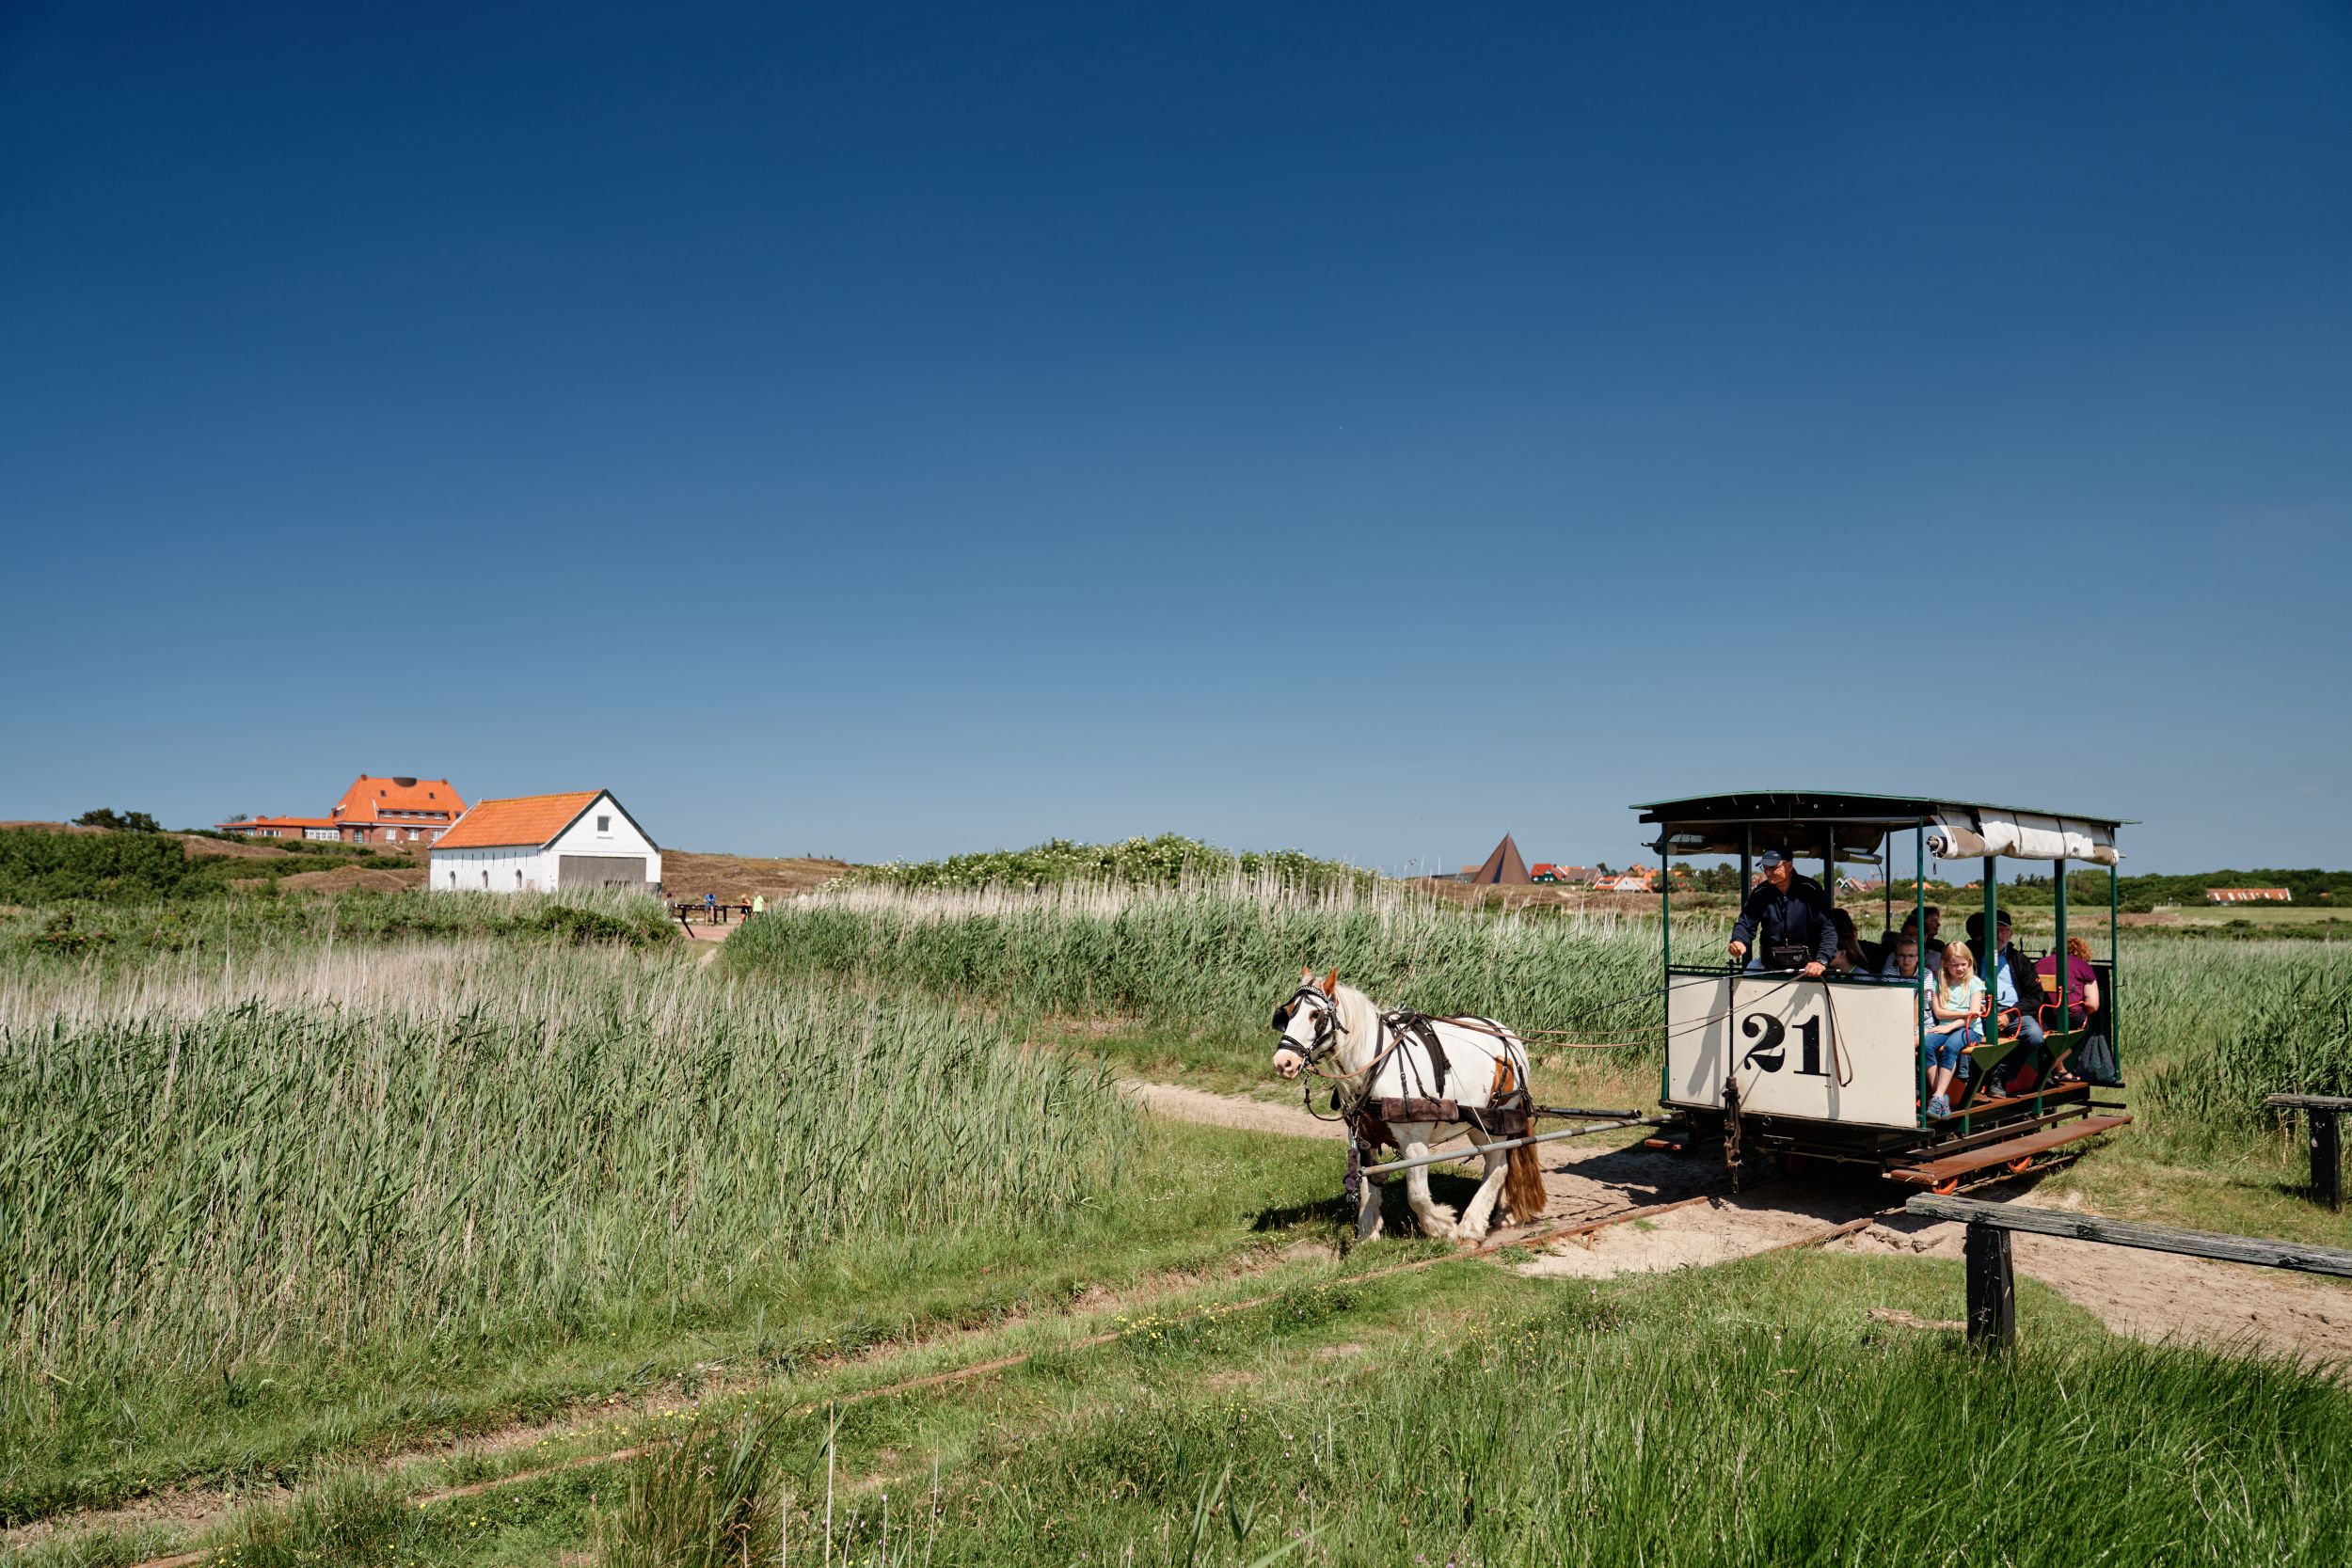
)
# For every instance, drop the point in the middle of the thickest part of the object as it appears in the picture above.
(2151, 1296)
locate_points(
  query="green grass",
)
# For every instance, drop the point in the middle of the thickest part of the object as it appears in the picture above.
(1754, 1413)
(1700, 1421)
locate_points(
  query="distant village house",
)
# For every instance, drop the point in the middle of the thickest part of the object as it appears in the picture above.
(540, 843)
(2249, 896)
(393, 810)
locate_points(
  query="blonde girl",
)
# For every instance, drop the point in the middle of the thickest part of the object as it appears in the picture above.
(1956, 1005)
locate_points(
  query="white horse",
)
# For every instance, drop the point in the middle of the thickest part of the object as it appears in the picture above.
(1339, 1031)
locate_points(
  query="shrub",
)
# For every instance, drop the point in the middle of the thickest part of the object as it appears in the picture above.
(40, 865)
(1162, 862)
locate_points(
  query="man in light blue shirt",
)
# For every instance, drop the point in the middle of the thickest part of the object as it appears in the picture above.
(2016, 993)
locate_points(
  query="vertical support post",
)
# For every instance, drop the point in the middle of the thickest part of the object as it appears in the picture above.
(1988, 970)
(1922, 980)
(1992, 1289)
(2059, 943)
(1665, 906)
(2111, 999)
(1747, 862)
(2327, 1157)
(1992, 943)
(1665, 946)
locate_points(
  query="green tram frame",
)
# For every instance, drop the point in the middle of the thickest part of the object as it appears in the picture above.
(1855, 828)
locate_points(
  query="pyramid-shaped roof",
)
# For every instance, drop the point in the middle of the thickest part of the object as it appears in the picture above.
(1504, 867)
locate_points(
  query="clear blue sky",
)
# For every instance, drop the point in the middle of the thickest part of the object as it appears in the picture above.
(887, 431)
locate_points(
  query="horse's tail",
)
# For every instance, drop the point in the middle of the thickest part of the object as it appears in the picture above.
(1523, 1176)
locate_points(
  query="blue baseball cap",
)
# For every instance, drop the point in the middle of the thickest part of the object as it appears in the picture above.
(1772, 857)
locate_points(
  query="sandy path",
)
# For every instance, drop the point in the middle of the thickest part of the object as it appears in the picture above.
(2147, 1295)
(1227, 1110)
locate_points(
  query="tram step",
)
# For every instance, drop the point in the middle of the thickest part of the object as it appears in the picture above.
(1936, 1171)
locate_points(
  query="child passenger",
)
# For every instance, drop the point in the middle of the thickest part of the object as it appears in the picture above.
(1956, 1001)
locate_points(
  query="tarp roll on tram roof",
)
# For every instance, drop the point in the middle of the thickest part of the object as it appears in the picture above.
(2022, 838)
(1812, 822)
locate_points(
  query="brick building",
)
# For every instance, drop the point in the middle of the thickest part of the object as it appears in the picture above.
(386, 811)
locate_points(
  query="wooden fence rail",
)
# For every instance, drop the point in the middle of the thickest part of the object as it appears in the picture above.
(1992, 1284)
(2320, 1112)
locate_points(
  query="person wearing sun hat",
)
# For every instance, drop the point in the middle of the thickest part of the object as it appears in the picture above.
(1784, 922)
(2016, 996)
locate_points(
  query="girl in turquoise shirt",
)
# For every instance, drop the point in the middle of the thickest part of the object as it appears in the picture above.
(1955, 1002)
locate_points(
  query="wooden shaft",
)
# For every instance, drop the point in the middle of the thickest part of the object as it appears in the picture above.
(1471, 1152)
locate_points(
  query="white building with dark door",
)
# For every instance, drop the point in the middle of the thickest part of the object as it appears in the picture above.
(540, 843)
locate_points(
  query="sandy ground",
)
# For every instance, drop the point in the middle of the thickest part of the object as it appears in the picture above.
(2149, 1295)
(1227, 1110)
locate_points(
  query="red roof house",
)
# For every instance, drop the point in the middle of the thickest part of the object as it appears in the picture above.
(375, 810)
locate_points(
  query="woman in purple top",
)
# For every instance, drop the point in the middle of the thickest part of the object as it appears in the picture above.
(2082, 981)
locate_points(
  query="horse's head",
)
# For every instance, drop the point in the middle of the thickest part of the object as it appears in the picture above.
(1309, 1022)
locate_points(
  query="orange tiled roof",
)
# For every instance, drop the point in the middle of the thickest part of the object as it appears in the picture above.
(532, 819)
(369, 794)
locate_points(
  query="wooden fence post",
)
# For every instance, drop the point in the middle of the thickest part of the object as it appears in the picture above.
(2327, 1158)
(1992, 1287)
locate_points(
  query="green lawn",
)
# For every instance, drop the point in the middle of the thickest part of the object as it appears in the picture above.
(1755, 1412)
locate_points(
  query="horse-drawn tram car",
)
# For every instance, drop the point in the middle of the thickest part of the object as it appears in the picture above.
(1771, 1053)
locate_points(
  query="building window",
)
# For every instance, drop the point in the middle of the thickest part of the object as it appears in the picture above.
(518, 879)
(604, 824)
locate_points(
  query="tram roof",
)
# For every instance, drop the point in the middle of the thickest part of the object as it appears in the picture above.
(1804, 820)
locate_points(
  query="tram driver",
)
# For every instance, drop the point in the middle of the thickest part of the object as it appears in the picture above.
(1785, 922)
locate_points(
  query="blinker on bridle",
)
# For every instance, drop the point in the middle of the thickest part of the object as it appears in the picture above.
(1327, 1025)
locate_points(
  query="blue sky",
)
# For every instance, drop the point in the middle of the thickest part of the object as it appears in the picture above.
(886, 431)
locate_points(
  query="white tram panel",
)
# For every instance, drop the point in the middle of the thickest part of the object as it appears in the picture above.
(1845, 1054)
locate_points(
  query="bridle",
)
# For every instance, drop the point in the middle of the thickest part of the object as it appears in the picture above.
(1326, 1014)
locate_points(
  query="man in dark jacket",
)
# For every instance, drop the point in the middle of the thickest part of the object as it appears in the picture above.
(1784, 913)
(2016, 990)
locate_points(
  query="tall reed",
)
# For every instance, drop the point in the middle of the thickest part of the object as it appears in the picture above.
(1216, 955)
(205, 1161)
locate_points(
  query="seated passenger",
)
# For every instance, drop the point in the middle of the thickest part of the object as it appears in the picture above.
(2082, 982)
(2082, 1004)
(1955, 1005)
(1849, 958)
(1930, 951)
(1784, 922)
(2017, 995)
(1902, 960)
